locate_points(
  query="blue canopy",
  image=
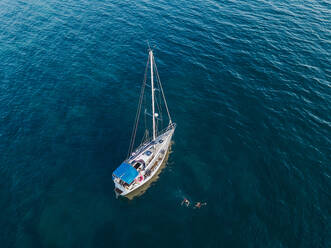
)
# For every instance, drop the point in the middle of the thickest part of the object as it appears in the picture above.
(126, 173)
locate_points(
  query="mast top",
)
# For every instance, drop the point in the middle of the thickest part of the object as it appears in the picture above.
(149, 47)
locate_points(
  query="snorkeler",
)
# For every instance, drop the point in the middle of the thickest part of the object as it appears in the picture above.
(186, 202)
(199, 204)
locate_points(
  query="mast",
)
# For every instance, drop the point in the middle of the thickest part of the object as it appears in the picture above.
(152, 86)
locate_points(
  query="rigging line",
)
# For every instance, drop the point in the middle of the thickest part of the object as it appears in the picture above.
(158, 104)
(137, 117)
(157, 127)
(160, 111)
(145, 120)
(134, 130)
(149, 47)
(157, 99)
(135, 127)
(161, 107)
(165, 101)
(145, 115)
(143, 138)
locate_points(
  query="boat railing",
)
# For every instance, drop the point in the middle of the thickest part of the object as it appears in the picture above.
(149, 141)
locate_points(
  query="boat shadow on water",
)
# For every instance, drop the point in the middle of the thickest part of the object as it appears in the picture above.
(141, 190)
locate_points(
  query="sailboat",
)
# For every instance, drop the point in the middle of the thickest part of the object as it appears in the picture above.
(143, 162)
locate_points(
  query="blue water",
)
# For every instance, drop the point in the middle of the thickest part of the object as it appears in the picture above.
(247, 82)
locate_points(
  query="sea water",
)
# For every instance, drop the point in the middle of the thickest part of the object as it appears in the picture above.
(247, 82)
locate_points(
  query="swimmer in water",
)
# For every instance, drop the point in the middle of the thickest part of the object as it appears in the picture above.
(200, 204)
(186, 202)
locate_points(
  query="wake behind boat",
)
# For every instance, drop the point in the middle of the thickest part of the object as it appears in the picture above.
(144, 162)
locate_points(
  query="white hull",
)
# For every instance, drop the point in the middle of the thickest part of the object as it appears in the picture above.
(159, 152)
